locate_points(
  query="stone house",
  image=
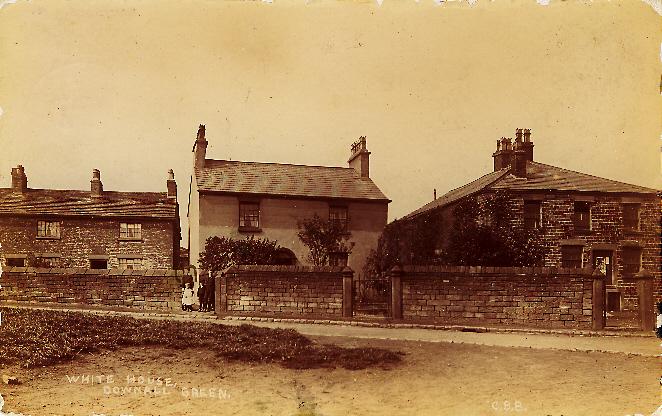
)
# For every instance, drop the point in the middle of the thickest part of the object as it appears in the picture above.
(268, 200)
(583, 220)
(95, 229)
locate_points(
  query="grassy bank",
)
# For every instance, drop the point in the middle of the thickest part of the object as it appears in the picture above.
(33, 337)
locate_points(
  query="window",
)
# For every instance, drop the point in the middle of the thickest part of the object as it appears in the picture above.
(15, 262)
(631, 216)
(338, 217)
(631, 260)
(48, 229)
(98, 264)
(571, 256)
(129, 231)
(532, 214)
(582, 216)
(249, 215)
(47, 261)
(131, 263)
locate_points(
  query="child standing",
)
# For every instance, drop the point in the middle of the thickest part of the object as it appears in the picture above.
(187, 298)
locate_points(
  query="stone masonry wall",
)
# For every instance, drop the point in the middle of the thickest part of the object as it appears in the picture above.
(303, 291)
(82, 237)
(137, 289)
(539, 297)
(607, 232)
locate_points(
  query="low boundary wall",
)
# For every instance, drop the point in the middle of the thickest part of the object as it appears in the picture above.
(508, 296)
(138, 289)
(302, 291)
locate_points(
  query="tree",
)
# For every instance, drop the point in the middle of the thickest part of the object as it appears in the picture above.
(484, 234)
(414, 241)
(323, 238)
(222, 252)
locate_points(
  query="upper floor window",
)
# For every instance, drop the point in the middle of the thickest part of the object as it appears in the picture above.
(48, 229)
(339, 217)
(130, 263)
(130, 231)
(532, 214)
(631, 216)
(631, 260)
(249, 215)
(582, 216)
(571, 256)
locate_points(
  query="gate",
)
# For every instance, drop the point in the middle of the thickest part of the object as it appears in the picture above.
(372, 296)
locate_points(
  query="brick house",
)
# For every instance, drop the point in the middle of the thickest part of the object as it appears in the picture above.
(95, 229)
(584, 220)
(268, 200)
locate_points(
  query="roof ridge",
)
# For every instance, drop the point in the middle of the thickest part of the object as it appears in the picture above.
(593, 176)
(427, 207)
(277, 163)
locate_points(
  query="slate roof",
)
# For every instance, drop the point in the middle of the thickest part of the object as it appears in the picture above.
(539, 177)
(459, 193)
(285, 180)
(79, 203)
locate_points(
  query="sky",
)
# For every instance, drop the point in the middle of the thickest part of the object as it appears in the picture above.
(121, 86)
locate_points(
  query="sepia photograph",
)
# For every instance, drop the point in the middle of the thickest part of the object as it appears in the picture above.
(330, 207)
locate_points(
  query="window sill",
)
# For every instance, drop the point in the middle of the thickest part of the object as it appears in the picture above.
(250, 229)
(129, 239)
(583, 231)
(47, 238)
(630, 231)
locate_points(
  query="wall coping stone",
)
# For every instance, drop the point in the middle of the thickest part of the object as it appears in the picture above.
(288, 269)
(484, 270)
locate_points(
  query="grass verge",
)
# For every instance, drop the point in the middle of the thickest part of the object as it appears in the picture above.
(35, 337)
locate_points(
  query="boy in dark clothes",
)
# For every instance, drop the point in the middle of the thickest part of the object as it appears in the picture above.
(202, 295)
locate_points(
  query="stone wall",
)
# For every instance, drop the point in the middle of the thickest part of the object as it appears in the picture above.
(82, 237)
(508, 296)
(301, 291)
(137, 289)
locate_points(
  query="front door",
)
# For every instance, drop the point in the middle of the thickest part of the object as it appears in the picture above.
(603, 259)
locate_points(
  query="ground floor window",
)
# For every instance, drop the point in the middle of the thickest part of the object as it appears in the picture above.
(631, 261)
(572, 256)
(98, 263)
(48, 261)
(131, 263)
(15, 262)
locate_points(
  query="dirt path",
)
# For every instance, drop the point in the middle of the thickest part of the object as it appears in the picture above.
(434, 379)
(645, 346)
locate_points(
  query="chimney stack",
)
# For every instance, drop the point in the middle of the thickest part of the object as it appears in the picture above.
(518, 165)
(19, 181)
(528, 144)
(360, 157)
(503, 154)
(435, 194)
(96, 187)
(172, 185)
(200, 147)
(514, 154)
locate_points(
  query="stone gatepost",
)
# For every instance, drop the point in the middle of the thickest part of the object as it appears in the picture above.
(221, 298)
(599, 294)
(396, 292)
(347, 288)
(644, 281)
